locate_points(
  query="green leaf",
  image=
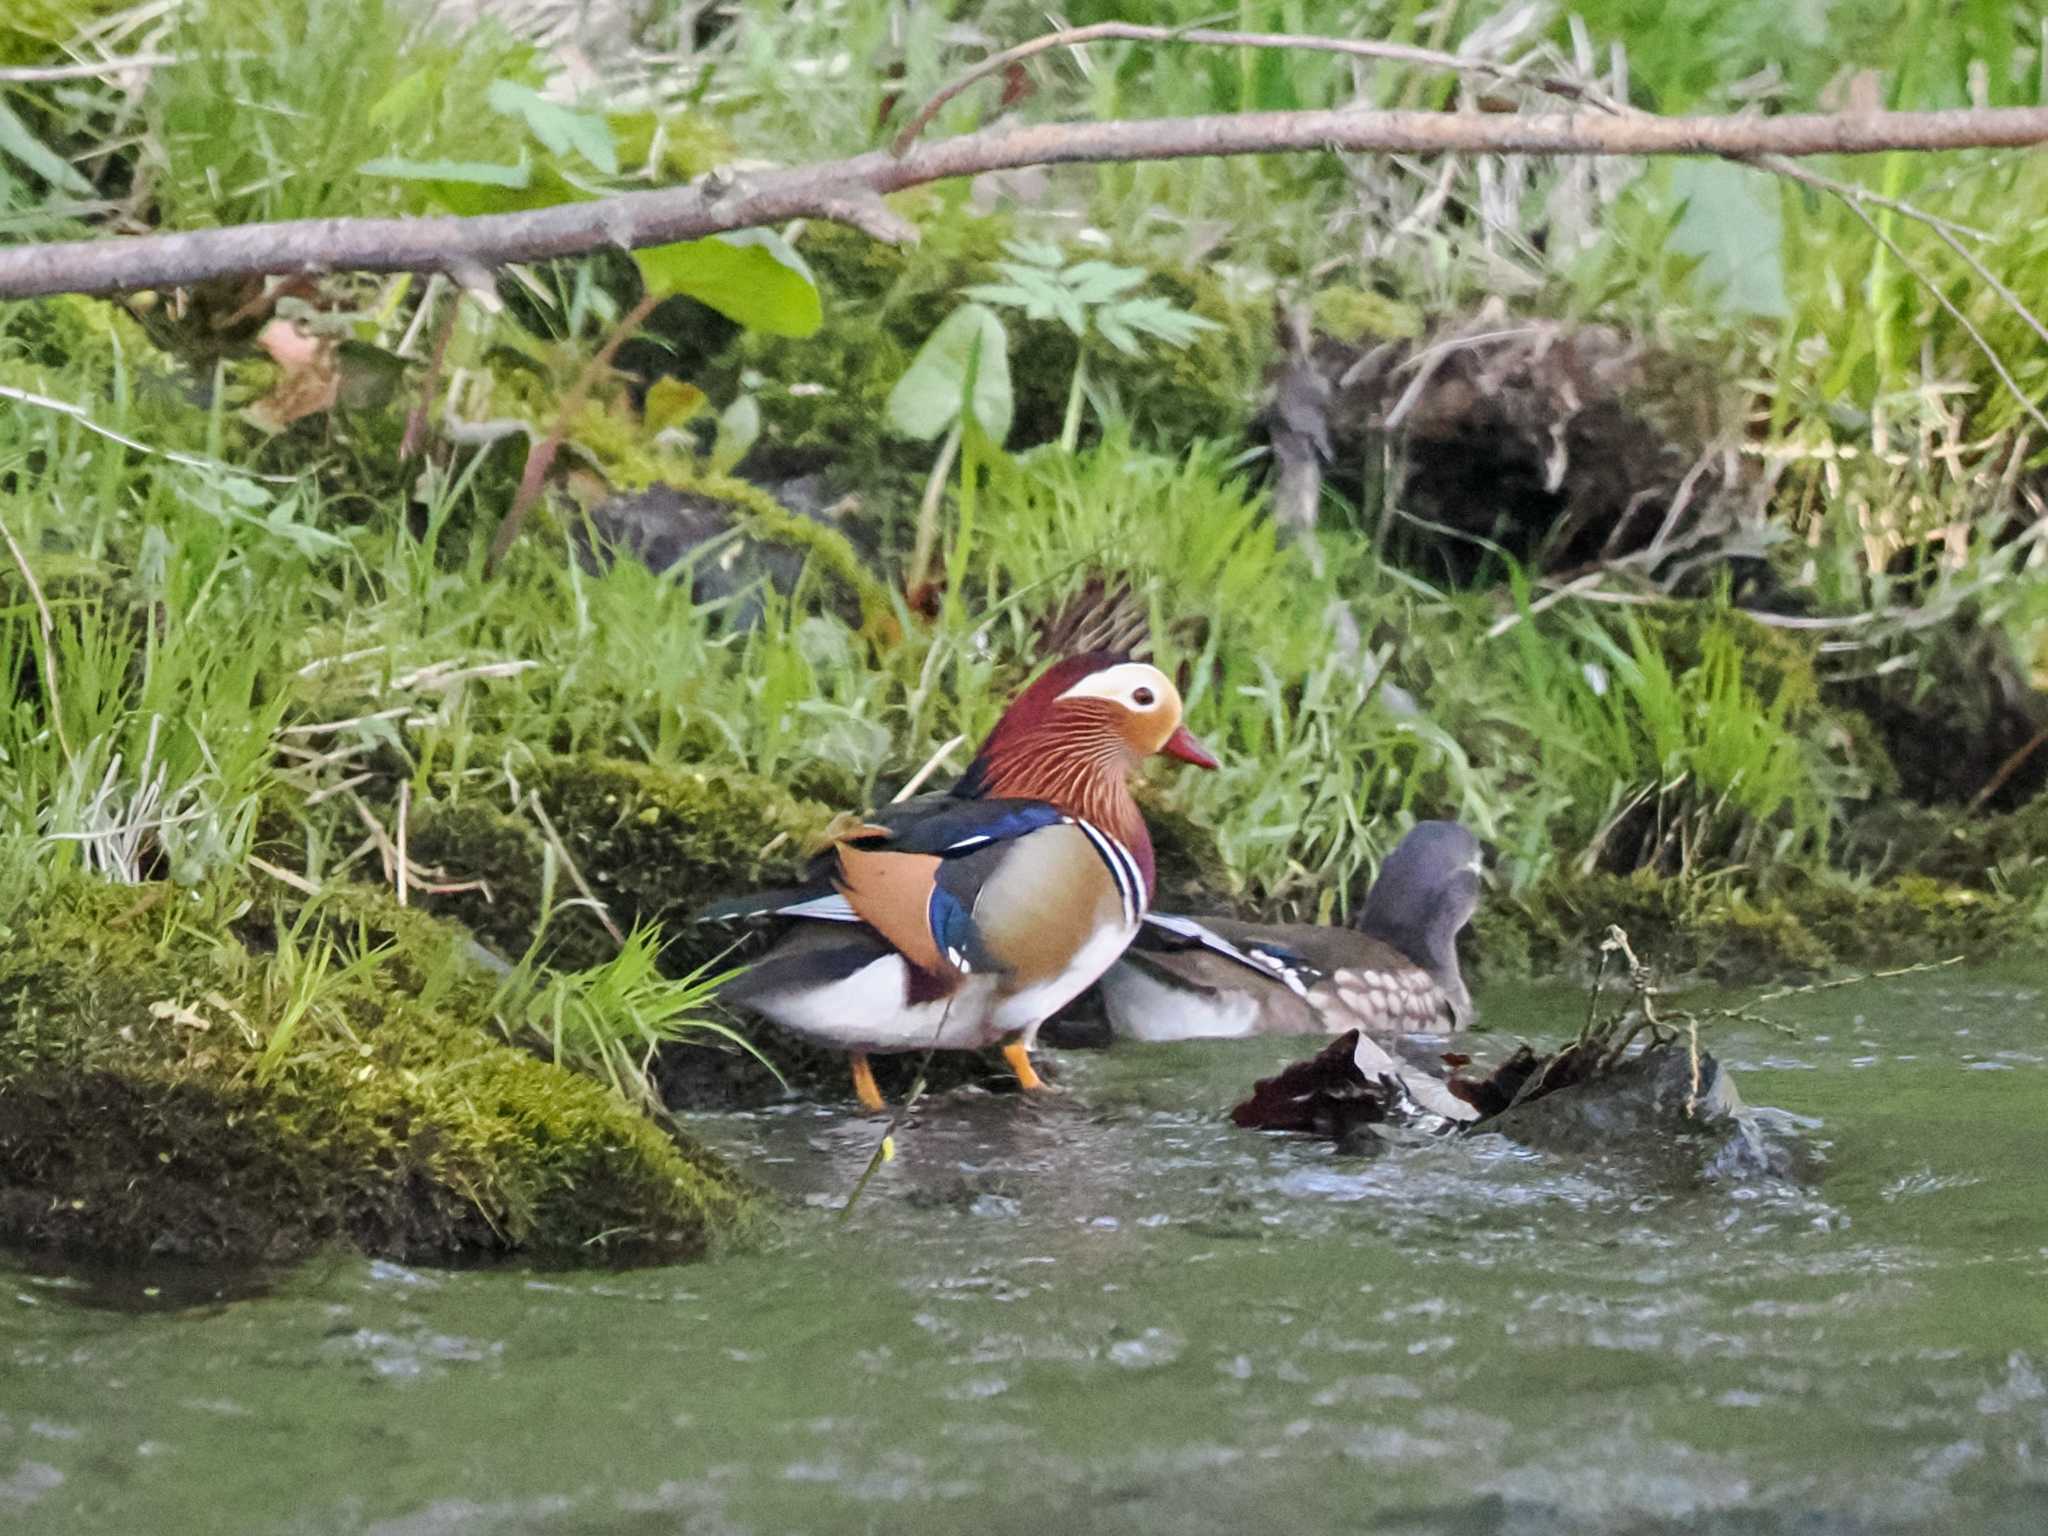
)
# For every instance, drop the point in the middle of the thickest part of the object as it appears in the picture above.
(560, 129)
(18, 143)
(478, 186)
(671, 402)
(739, 427)
(370, 375)
(1731, 222)
(1110, 327)
(409, 94)
(1097, 282)
(1037, 253)
(753, 276)
(926, 400)
(1158, 319)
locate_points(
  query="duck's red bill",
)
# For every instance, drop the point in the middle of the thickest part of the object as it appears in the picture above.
(1182, 744)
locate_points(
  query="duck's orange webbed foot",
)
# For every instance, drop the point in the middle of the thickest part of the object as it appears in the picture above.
(864, 1087)
(1020, 1063)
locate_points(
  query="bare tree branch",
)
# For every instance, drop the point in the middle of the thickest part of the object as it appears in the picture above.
(850, 190)
(1122, 31)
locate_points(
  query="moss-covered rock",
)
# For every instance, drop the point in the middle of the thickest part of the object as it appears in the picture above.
(654, 844)
(1808, 925)
(186, 1074)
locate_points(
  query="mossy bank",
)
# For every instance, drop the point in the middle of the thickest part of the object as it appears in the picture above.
(202, 1074)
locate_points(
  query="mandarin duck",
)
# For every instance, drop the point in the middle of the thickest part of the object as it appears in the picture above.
(1395, 973)
(965, 919)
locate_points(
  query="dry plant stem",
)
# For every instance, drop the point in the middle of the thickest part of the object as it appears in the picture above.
(1131, 32)
(404, 816)
(38, 74)
(277, 872)
(417, 423)
(850, 191)
(2006, 770)
(931, 766)
(540, 458)
(78, 414)
(48, 627)
(547, 827)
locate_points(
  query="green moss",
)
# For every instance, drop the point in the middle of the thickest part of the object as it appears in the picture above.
(140, 1114)
(1357, 315)
(654, 843)
(1812, 923)
(1911, 919)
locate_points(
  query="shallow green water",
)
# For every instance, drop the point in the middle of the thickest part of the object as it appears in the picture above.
(1117, 1313)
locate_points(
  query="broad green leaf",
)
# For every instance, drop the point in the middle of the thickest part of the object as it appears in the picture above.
(926, 400)
(556, 126)
(18, 143)
(753, 276)
(1731, 221)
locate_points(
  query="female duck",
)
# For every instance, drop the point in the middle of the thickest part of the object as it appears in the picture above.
(962, 920)
(1395, 973)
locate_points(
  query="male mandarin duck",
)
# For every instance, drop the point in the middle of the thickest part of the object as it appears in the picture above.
(1395, 973)
(966, 919)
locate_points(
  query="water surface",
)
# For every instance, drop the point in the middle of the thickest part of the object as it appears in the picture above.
(1115, 1312)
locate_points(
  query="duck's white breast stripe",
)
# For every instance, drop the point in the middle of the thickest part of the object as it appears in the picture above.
(1123, 868)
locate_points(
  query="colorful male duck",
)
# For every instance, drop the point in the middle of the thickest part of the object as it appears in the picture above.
(1395, 973)
(966, 919)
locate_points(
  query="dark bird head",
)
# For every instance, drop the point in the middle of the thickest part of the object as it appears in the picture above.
(1428, 889)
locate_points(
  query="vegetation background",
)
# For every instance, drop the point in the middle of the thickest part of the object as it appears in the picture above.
(1675, 525)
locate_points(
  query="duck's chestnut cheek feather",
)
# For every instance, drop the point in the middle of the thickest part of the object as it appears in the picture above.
(1182, 744)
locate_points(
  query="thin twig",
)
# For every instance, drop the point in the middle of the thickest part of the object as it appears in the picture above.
(37, 74)
(2006, 770)
(298, 883)
(1573, 588)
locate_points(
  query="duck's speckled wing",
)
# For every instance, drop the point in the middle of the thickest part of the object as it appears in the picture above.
(1187, 979)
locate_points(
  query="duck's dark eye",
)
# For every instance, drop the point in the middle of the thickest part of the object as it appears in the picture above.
(1144, 698)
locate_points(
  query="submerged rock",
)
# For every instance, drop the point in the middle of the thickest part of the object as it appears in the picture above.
(1650, 1107)
(228, 1085)
(1679, 1117)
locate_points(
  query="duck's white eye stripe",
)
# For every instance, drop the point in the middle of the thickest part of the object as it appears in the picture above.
(1122, 683)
